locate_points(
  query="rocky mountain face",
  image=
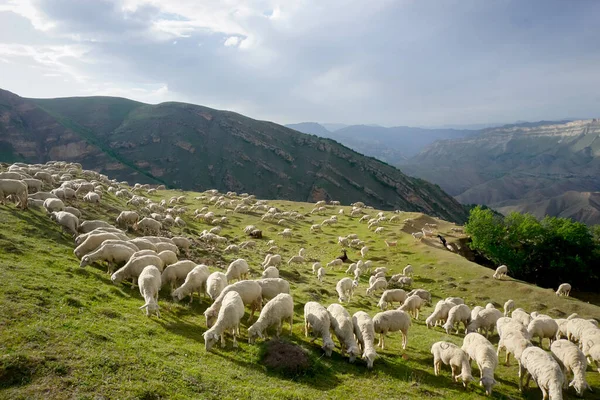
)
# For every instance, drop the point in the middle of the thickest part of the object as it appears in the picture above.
(196, 148)
(534, 167)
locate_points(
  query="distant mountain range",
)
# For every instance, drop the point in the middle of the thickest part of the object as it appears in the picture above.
(196, 148)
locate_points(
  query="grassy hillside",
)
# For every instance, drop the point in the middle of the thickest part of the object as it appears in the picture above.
(192, 147)
(68, 332)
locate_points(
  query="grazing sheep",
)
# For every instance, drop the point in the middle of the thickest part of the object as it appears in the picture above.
(543, 328)
(576, 327)
(177, 272)
(321, 274)
(391, 321)
(251, 294)
(149, 225)
(422, 293)
(335, 263)
(271, 287)
(456, 315)
(238, 270)
(363, 251)
(280, 308)
(215, 283)
(365, 336)
(412, 305)
(408, 270)
(128, 219)
(544, 369)
(195, 281)
(481, 350)
(486, 321)
(439, 314)
(91, 197)
(345, 289)
(162, 246)
(92, 242)
(143, 244)
(168, 257)
(564, 290)
(378, 284)
(134, 267)
(500, 272)
(508, 307)
(315, 267)
(230, 314)
(296, 260)
(521, 316)
(514, 342)
(149, 282)
(455, 300)
(18, 189)
(506, 324)
(111, 253)
(316, 319)
(573, 361)
(88, 226)
(270, 272)
(67, 220)
(232, 248)
(271, 260)
(52, 205)
(390, 296)
(341, 323)
(450, 354)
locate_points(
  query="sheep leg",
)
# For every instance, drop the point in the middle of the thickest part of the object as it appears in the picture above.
(404, 340)
(233, 333)
(191, 297)
(306, 328)
(436, 367)
(507, 357)
(278, 331)
(223, 339)
(454, 373)
(544, 393)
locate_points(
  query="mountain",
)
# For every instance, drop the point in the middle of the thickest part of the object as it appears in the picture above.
(393, 145)
(529, 166)
(195, 148)
(332, 127)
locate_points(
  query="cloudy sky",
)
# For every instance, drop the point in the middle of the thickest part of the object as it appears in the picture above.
(402, 62)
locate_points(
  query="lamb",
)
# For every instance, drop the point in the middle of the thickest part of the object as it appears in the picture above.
(296, 260)
(52, 205)
(18, 189)
(521, 316)
(363, 251)
(270, 272)
(456, 315)
(91, 197)
(391, 321)
(412, 305)
(134, 267)
(544, 369)
(508, 307)
(450, 354)
(335, 263)
(564, 290)
(286, 233)
(439, 314)
(251, 294)
(408, 270)
(500, 272)
(316, 318)
(278, 309)
(321, 274)
(380, 283)
(238, 269)
(272, 260)
(485, 320)
(481, 350)
(88, 226)
(543, 328)
(215, 283)
(315, 267)
(66, 220)
(573, 361)
(230, 314)
(150, 283)
(341, 323)
(92, 242)
(390, 296)
(232, 248)
(422, 293)
(271, 287)
(195, 281)
(128, 219)
(364, 331)
(315, 228)
(177, 272)
(345, 289)
(111, 253)
(149, 225)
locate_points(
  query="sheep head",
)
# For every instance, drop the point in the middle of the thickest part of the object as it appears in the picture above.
(487, 383)
(210, 338)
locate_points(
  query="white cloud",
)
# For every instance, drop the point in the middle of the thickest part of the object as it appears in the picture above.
(232, 41)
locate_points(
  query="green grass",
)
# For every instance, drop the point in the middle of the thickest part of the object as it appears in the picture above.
(67, 332)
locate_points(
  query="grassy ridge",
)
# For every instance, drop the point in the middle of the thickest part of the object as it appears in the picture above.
(67, 332)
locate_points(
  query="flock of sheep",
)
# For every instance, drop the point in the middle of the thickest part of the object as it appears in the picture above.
(152, 262)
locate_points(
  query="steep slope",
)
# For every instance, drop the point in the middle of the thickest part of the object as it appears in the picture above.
(525, 163)
(311, 128)
(193, 147)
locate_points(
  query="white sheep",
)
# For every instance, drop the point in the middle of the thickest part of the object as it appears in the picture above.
(270, 272)
(514, 342)
(486, 321)
(66, 220)
(564, 290)
(391, 321)
(500, 272)
(363, 251)
(168, 257)
(177, 272)
(315, 267)
(543, 328)
(455, 300)
(128, 219)
(365, 336)
(456, 315)
(215, 283)
(92, 242)
(481, 350)
(91, 197)
(506, 324)
(149, 225)
(508, 307)
(316, 319)
(390, 296)
(53, 205)
(439, 314)
(321, 274)
(335, 263)
(412, 305)
(378, 284)
(422, 293)
(408, 270)
(545, 371)
(134, 267)
(232, 248)
(230, 314)
(18, 189)
(277, 310)
(195, 281)
(251, 294)
(345, 289)
(573, 361)
(238, 269)
(271, 260)
(450, 354)
(521, 316)
(149, 282)
(576, 327)
(271, 287)
(111, 253)
(341, 323)
(302, 252)
(88, 226)
(296, 260)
